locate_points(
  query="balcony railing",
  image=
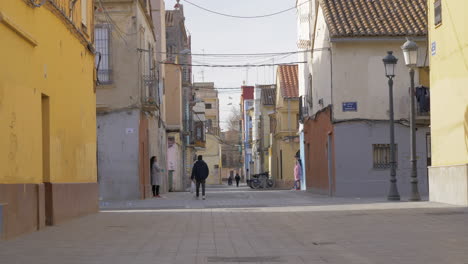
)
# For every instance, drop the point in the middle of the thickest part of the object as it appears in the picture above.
(423, 102)
(150, 96)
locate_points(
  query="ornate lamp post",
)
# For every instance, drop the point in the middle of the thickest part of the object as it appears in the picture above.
(410, 52)
(390, 62)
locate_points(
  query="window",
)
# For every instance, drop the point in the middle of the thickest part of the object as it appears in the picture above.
(102, 41)
(381, 156)
(437, 12)
(207, 106)
(84, 12)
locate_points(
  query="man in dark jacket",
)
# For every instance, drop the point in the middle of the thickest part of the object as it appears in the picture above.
(237, 179)
(200, 172)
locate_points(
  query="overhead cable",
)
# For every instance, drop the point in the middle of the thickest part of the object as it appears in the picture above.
(245, 17)
(234, 65)
(238, 54)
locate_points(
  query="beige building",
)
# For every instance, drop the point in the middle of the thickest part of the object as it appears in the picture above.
(231, 154)
(174, 127)
(285, 141)
(267, 106)
(129, 100)
(211, 154)
(345, 95)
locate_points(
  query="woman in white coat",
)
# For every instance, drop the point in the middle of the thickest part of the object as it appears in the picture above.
(155, 176)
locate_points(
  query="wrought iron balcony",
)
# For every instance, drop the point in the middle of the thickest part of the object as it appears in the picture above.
(150, 95)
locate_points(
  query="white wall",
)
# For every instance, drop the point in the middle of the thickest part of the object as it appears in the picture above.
(359, 76)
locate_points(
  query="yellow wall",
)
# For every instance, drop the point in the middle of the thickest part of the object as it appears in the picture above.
(40, 55)
(449, 84)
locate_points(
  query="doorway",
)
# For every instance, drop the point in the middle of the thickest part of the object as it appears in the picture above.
(45, 117)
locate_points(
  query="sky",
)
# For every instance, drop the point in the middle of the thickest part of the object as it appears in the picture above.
(215, 34)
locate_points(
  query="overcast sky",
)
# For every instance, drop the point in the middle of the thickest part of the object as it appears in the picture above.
(212, 33)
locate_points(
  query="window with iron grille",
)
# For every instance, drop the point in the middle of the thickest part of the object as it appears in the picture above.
(437, 12)
(207, 106)
(103, 62)
(381, 156)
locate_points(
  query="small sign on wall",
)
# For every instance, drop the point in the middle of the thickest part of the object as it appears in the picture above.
(433, 48)
(129, 130)
(349, 106)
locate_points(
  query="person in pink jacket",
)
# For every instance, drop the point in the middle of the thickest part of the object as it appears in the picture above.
(297, 174)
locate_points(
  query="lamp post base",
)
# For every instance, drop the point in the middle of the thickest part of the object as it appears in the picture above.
(393, 194)
(414, 192)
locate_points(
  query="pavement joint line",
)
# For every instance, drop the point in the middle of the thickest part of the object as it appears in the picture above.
(308, 208)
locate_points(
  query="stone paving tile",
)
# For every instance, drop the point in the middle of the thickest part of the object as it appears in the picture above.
(323, 231)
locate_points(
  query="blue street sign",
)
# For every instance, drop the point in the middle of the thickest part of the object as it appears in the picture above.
(349, 106)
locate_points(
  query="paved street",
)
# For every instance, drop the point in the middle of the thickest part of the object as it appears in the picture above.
(246, 226)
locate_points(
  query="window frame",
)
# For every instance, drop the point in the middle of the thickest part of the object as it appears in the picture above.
(377, 158)
(108, 28)
(437, 13)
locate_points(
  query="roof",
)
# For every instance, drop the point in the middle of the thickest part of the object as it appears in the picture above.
(375, 18)
(268, 96)
(288, 81)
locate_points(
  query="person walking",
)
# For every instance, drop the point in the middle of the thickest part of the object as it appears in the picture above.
(297, 174)
(237, 179)
(200, 172)
(155, 176)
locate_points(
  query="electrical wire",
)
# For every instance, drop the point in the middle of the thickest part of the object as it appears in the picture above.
(109, 19)
(237, 54)
(234, 65)
(245, 17)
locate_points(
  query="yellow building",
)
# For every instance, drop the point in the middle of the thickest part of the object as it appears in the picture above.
(206, 92)
(47, 114)
(285, 126)
(448, 42)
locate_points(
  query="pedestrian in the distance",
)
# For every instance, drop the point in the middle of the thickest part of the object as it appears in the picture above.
(297, 174)
(155, 176)
(237, 179)
(200, 172)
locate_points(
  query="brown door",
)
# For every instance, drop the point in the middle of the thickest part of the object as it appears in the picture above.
(144, 167)
(45, 115)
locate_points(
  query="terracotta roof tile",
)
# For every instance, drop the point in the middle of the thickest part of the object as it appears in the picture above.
(288, 80)
(375, 18)
(268, 96)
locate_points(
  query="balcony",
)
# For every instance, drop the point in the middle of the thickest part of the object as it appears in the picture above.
(150, 95)
(423, 111)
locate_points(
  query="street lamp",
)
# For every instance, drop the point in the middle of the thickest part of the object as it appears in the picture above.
(390, 62)
(410, 52)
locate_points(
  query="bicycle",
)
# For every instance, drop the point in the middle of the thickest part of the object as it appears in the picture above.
(261, 181)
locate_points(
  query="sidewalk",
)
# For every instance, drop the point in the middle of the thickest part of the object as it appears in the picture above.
(326, 230)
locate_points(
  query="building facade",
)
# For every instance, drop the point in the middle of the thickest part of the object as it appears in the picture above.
(285, 141)
(448, 41)
(259, 120)
(344, 105)
(231, 158)
(47, 114)
(178, 48)
(247, 104)
(206, 92)
(129, 100)
(175, 127)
